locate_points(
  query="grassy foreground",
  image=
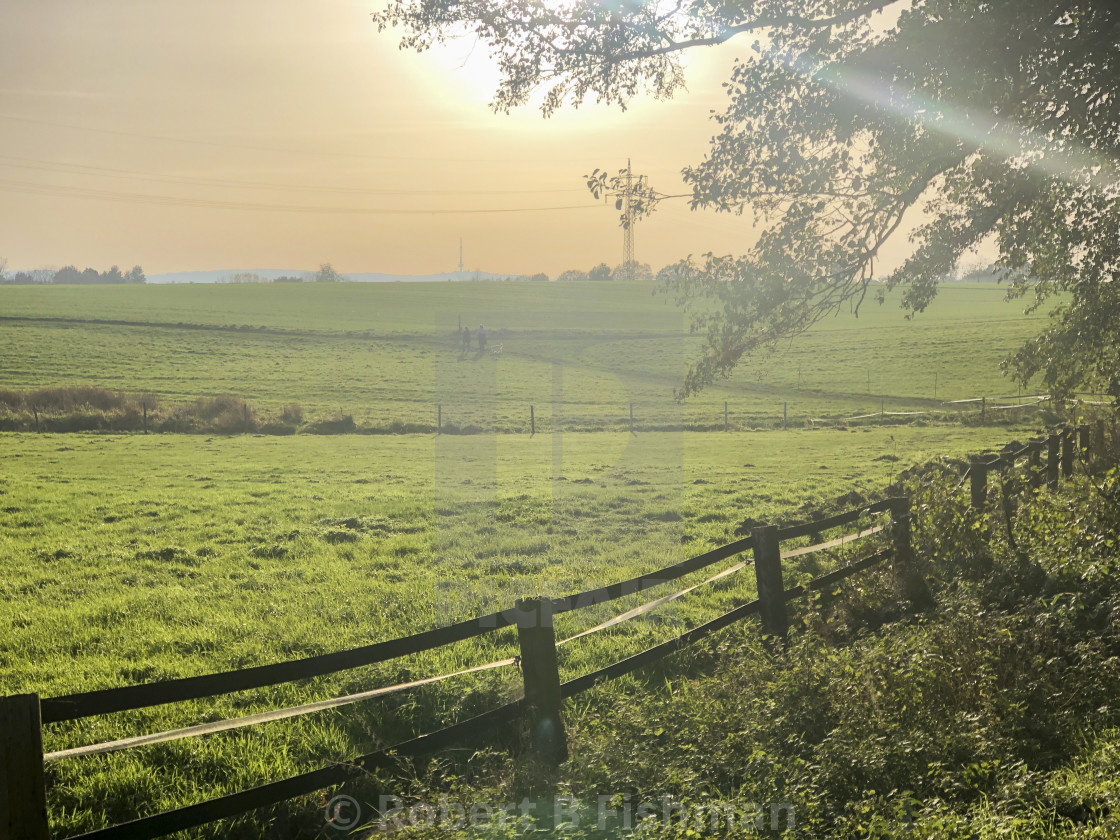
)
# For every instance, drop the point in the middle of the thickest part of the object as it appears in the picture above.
(137, 558)
(993, 716)
(131, 558)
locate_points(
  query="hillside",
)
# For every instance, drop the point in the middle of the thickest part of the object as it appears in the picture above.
(390, 356)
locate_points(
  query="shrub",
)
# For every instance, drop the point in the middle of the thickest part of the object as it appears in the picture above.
(11, 400)
(332, 426)
(69, 398)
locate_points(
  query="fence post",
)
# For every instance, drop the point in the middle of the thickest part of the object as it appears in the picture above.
(785, 414)
(439, 418)
(23, 799)
(1067, 452)
(1052, 461)
(1085, 443)
(1034, 464)
(983, 408)
(532, 421)
(145, 405)
(541, 673)
(978, 474)
(768, 577)
(914, 587)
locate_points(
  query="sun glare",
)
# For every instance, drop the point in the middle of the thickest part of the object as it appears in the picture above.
(466, 72)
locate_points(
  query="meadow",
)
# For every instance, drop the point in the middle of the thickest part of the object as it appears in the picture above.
(388, 355)
(132, 558)
(135, 558)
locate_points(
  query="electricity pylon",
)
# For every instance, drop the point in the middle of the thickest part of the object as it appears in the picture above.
(628, 221)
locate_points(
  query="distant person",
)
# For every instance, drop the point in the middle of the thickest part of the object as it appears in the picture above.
(481, 339)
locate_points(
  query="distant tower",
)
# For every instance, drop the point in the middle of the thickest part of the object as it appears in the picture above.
(628, 226)
(627, 192)
(460, 255)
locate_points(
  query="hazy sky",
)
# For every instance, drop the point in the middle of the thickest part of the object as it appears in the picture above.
(283, 134)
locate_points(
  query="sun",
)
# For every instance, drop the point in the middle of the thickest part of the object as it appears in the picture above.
(465, 71)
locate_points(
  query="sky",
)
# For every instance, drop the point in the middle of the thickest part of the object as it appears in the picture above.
(285, 134)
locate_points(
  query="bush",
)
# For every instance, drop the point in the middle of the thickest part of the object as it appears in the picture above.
(276, 429)
(11, 400)
(332, 426)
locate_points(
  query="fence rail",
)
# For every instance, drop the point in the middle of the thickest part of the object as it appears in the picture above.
(22, 783)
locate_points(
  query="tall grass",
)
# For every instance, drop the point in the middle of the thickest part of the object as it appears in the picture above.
(88, 408)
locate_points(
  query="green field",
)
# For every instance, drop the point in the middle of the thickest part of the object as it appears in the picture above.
(132, 558)
(126, 559)
(580, 354)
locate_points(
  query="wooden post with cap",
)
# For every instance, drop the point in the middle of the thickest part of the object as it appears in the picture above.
(768, 577)
(1067, 452)
(23, 798)
(1052, 443)
(913, 586)
(978, 476)
(1034, 463)
(541, 673)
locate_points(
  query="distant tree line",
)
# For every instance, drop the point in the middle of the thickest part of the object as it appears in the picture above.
(603, 272)
(71, 275)
(244, 277)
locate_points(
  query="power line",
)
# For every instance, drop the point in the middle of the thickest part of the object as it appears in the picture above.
(57, 191)
(270, 149)
(62, 167)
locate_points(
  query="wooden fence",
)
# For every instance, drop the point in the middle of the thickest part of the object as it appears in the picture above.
(23, 812)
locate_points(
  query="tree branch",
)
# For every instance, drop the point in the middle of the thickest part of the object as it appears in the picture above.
(761, 23)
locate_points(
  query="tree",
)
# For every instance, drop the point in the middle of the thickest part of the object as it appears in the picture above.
(634, 270)
(962, 124)
(67, 274)
(327, 274)
(571, 274)
(600, 272)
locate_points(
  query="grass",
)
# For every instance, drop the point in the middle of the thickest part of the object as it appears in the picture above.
(388, 353)
(993, 716)
(132, 558)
